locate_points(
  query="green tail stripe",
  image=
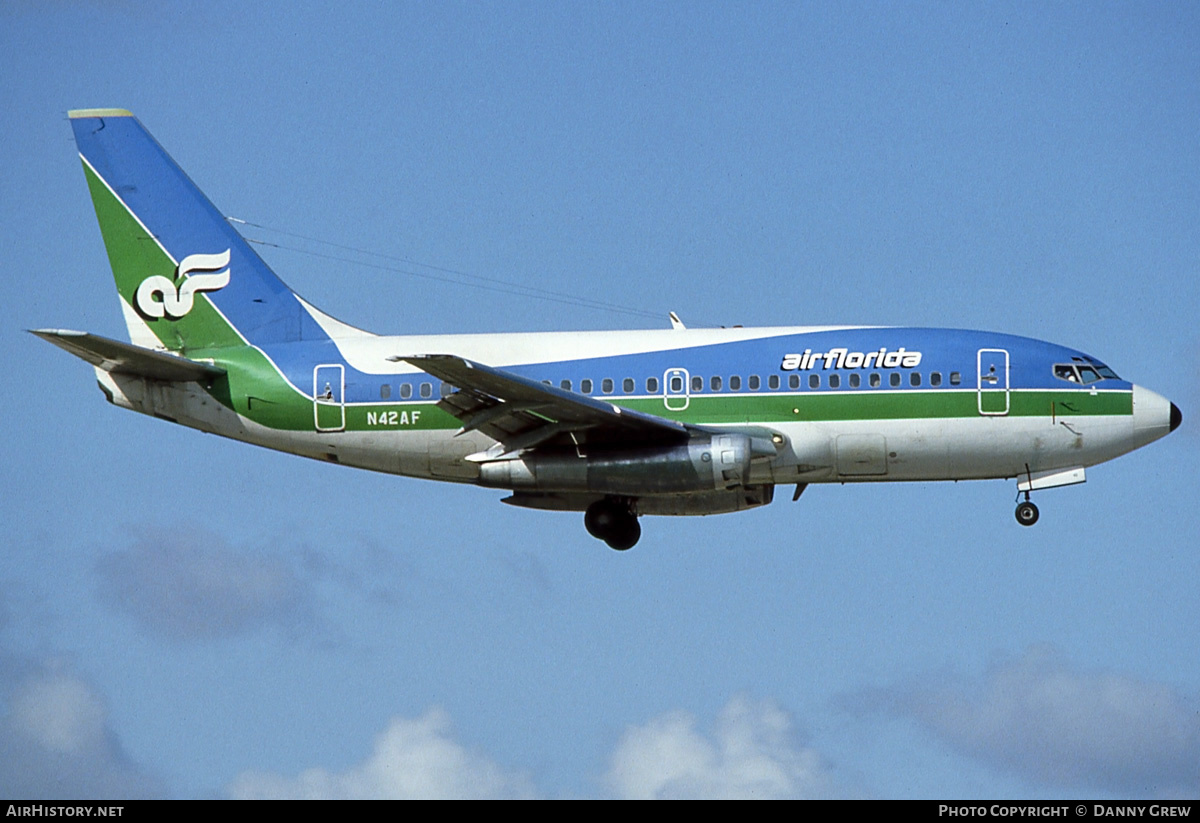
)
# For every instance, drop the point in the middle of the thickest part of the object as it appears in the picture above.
(253, 386)
(135, 255)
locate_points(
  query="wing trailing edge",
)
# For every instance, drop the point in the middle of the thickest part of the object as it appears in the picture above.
(522, 413)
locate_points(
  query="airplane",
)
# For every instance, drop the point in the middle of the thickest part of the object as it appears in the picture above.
(614, 424)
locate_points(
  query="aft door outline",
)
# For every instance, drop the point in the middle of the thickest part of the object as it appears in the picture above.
(992, 382)
(329, 397)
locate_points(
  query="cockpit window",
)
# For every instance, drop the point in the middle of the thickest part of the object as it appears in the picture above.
(1081, 372)
(1065, 372)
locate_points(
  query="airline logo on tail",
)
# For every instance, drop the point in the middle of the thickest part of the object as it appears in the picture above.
(159, 296)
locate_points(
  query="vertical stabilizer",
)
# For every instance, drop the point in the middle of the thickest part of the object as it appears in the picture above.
(186, 278)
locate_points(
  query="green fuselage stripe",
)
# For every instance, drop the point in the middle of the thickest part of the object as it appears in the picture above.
(790, 408)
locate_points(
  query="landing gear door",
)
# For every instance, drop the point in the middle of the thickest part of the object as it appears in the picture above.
(993, 381)
(329, 395)
(675, 389)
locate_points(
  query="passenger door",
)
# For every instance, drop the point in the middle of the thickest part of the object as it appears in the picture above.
(329, 394)
(992, 381)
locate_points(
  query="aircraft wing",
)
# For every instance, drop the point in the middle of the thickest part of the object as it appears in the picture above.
(523, 413)
(126, 358)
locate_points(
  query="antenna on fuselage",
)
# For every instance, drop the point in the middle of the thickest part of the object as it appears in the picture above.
(676, 323)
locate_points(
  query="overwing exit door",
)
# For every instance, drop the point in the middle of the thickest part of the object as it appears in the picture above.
(675, 389)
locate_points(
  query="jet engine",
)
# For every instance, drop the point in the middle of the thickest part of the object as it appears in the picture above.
(703, 464)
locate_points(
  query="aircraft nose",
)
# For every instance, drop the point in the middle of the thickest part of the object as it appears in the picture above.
(1154, 416)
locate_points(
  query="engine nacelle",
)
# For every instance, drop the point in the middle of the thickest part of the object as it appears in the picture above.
(711, 463)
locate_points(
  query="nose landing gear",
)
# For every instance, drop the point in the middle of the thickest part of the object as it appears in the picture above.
(614, 521)
(1027, 513)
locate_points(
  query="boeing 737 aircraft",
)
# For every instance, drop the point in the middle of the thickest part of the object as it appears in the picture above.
(615, 424)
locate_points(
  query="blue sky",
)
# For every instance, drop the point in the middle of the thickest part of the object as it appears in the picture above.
(184, 616)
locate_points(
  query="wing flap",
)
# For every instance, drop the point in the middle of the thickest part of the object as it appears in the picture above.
(125, 358)
(520, 412)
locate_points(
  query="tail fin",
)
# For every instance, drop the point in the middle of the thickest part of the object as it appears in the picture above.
(186, 278)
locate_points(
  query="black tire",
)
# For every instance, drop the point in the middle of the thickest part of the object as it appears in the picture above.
(1027, 513)
(626, 536)
(601, 518)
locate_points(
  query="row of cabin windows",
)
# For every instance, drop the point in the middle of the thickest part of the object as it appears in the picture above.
(874, 380)
(754, 382)
(425, 390)
(715, 383)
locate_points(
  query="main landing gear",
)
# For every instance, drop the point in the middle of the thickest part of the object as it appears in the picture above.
(614, 521)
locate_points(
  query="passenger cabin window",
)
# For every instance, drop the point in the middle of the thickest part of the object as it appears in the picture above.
(606, 385)
(715, 383)
(793, 381)
(427, 390)
(753, 383)
(955, 378)
(385, 391)
(935, 378)
(894, 379)
(735, 383)
(565, 385)
(773, 382)
(814, 381)
(697, 383)
(651, 385)
(874, 380)
(627, 385)
(855, 380)
(834, 381)
(914, 379)
(405, 391)
(585, 386)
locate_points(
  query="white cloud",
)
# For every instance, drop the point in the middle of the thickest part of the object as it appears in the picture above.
(752, 753)
(412, 759)
(1054, 725)
(59, 713)
(56, 742)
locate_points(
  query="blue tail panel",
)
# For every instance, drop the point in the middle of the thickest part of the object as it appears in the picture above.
(184, 222)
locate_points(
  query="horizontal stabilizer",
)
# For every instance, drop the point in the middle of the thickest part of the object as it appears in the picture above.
(125, 358)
